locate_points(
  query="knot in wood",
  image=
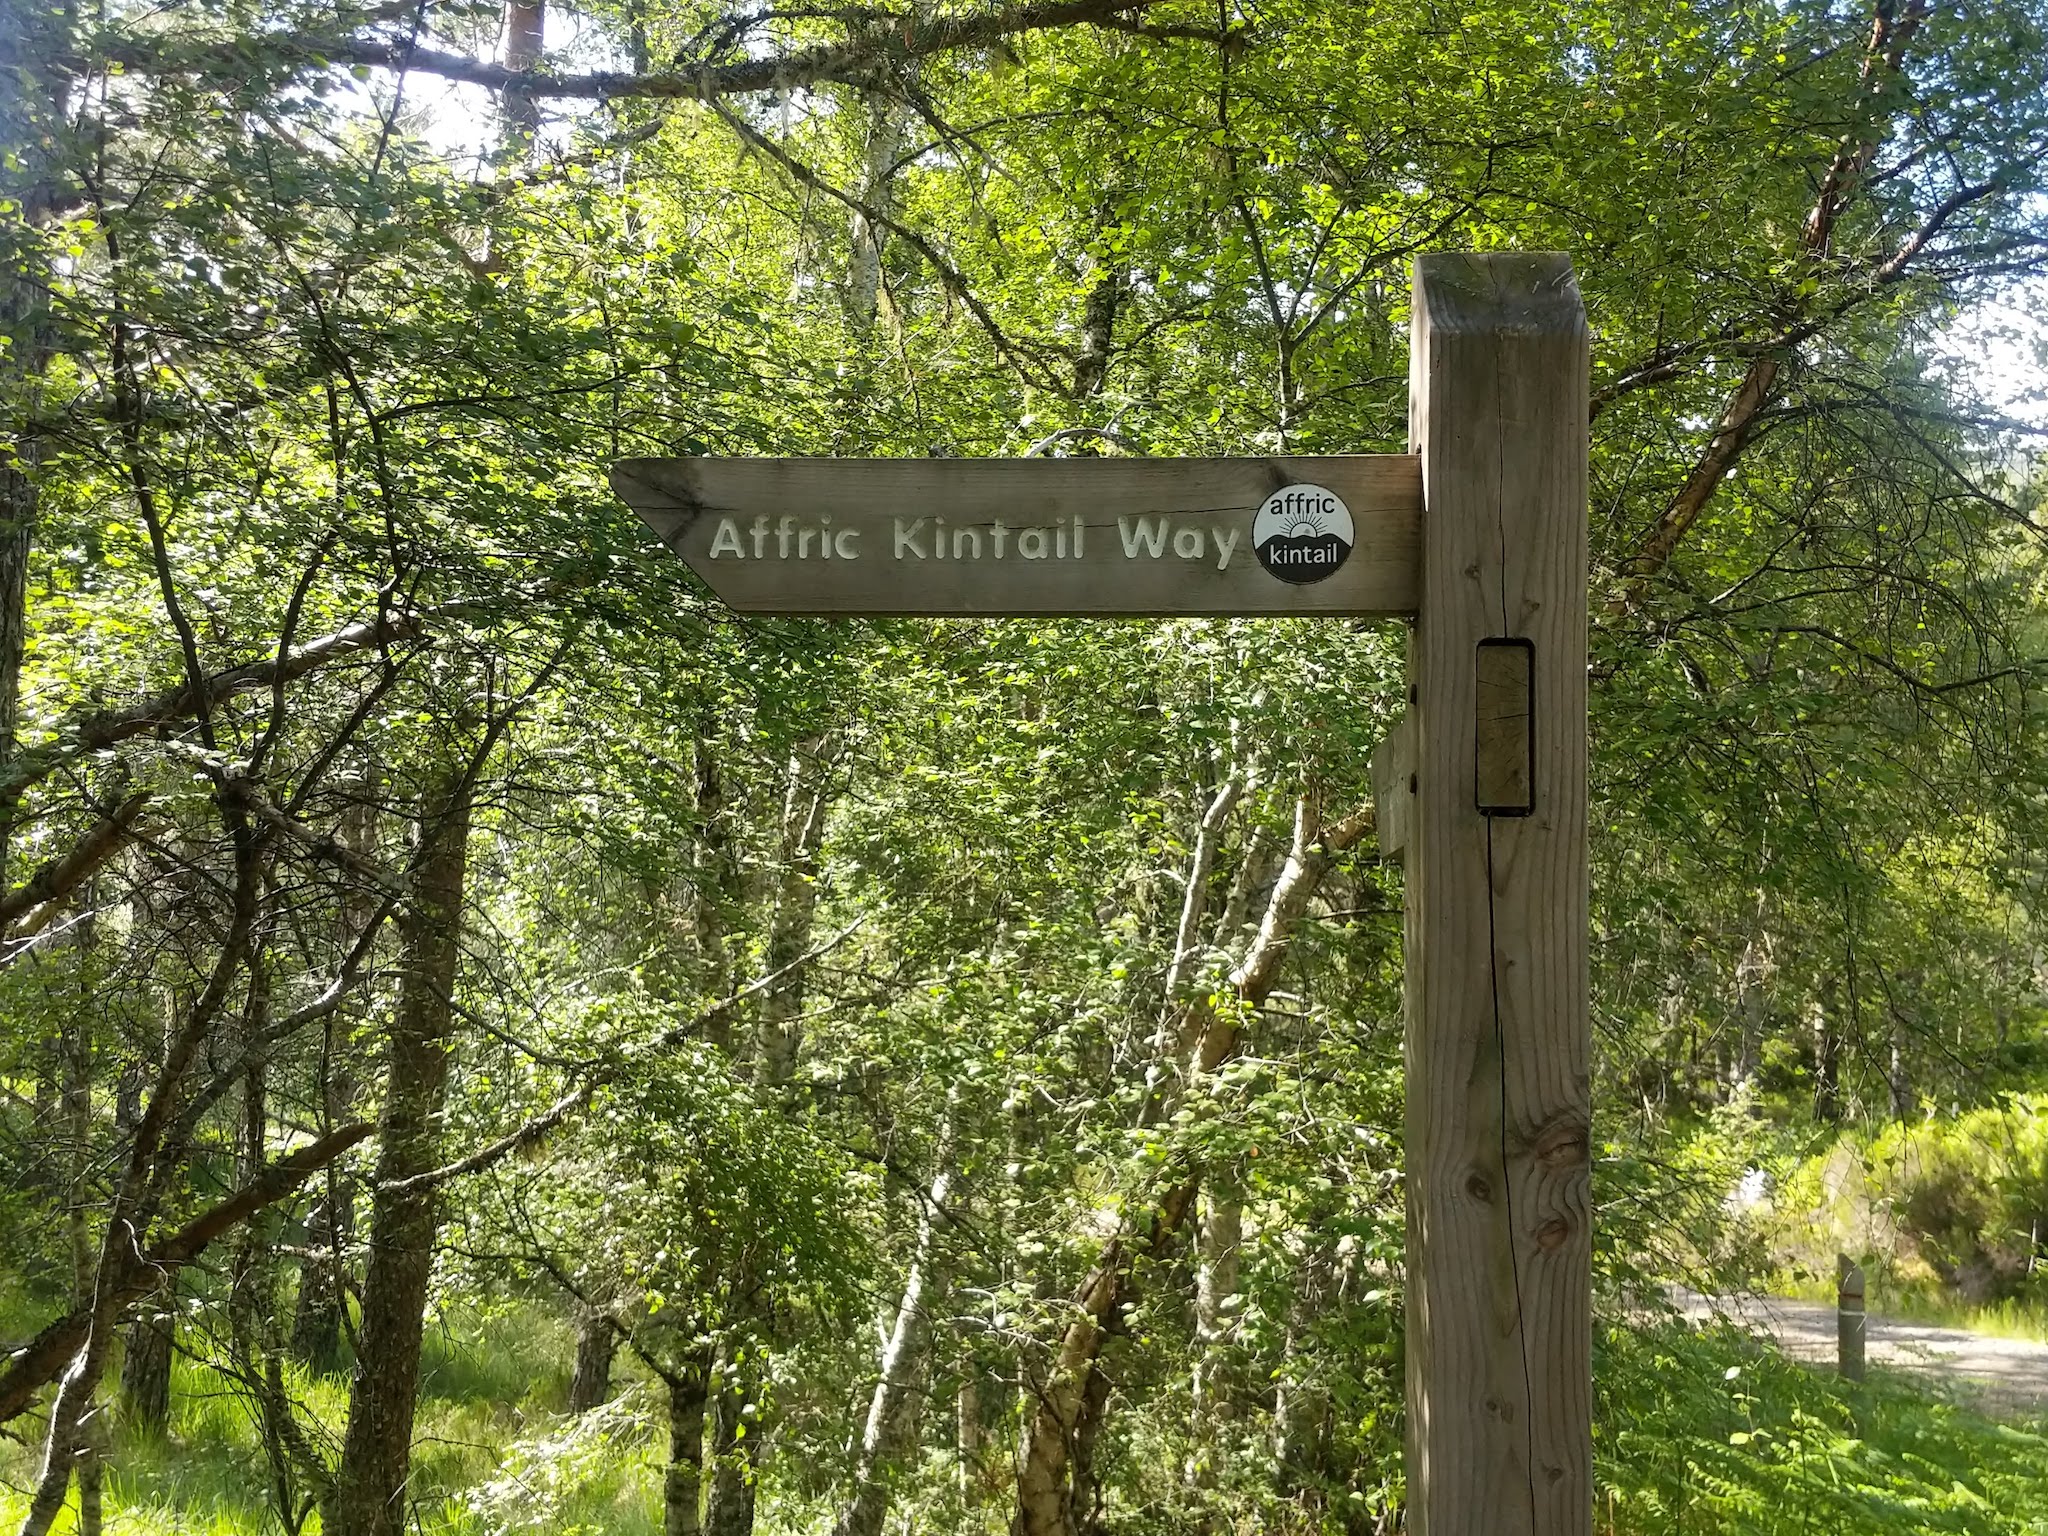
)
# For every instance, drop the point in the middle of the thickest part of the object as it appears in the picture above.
(1562, 1144)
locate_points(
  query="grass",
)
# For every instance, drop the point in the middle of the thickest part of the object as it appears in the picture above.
(493, 1451)
(1710, 1431)
(1696, 1432)
(203, 1477)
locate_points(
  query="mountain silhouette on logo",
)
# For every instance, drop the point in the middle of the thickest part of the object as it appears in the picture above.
(1303, 558)
(1301, 533)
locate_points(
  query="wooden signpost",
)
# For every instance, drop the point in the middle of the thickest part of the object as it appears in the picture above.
(1478, 537)
(1039, 537)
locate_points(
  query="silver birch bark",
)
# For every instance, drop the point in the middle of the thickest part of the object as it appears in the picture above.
(1167, 1043)
(1056, 1428)
(1217, 1246)
(887, 118)
(737, 1443)
(893, 1408)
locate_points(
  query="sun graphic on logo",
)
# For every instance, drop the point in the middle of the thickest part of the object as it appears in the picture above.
(1302, 533)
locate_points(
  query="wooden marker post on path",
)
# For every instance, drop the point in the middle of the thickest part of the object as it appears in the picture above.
(1479, 537)
(1852, 1324)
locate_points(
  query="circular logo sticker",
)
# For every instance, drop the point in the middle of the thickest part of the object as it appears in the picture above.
(1302, 533)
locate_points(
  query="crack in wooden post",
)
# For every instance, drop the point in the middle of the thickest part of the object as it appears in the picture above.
(1498, 1035)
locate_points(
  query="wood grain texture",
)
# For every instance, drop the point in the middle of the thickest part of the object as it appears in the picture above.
(684, 501)
(1505, 748)
(1393, 787)
(1498, 1105)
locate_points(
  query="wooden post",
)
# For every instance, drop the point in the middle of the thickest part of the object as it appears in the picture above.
(1850, 1318)
(1499, 1099)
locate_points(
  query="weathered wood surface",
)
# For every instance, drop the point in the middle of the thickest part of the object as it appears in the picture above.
(1393, 786)
(1192, 556)
(1503, 719)
(1851, 1322)
(1499, 1313)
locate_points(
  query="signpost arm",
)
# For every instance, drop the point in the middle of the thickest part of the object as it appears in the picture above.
(1497, 1026)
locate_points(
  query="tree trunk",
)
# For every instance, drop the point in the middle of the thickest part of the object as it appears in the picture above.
(320, 1316)
(252, 1299)
(1062, 1422)
(737, 1438)
(156, 1152)
(1752, 975)
(1827, 1062)
(316, 1320)
(91, 1471)
(151, 1337)
(92, 1478)
(682, 1485)
(887, 117)
(1905, 1098)
(1093, 1418)
(717, 880)
(368, 1496)
(597, 1341)
(967, 1434)
(796, 905)
(893, 1409)
(1300, 1401)
(1098, 328)
(32, 36)
(1216, 1276)
(18, 515)
(1060, 1417)
(525, 31)
(735, 1448)
(1169, 1038)
(146, 1366)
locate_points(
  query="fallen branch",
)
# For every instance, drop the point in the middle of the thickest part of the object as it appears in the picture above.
(61, 876)
(40, 1361)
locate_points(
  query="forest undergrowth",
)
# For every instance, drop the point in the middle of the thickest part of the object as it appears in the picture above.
(1695, 1430)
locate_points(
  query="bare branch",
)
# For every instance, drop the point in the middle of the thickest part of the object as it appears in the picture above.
(955, 283)
(878, 43)
(37, 1363)
(59, 877)
(535, 1130)
(92, 733)
(1052, 440)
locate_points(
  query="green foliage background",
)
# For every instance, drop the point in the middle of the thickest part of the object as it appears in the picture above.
(281, 362)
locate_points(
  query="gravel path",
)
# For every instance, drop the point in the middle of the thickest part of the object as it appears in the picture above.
(2006, 1374)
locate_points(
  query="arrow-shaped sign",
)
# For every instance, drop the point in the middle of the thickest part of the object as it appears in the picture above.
(1041, 537)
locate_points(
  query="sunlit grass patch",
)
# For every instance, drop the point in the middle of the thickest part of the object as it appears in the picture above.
(1711, 1431)
(2015, 1317)
(516, 1354)
(493, 1384)
(600, 1473)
